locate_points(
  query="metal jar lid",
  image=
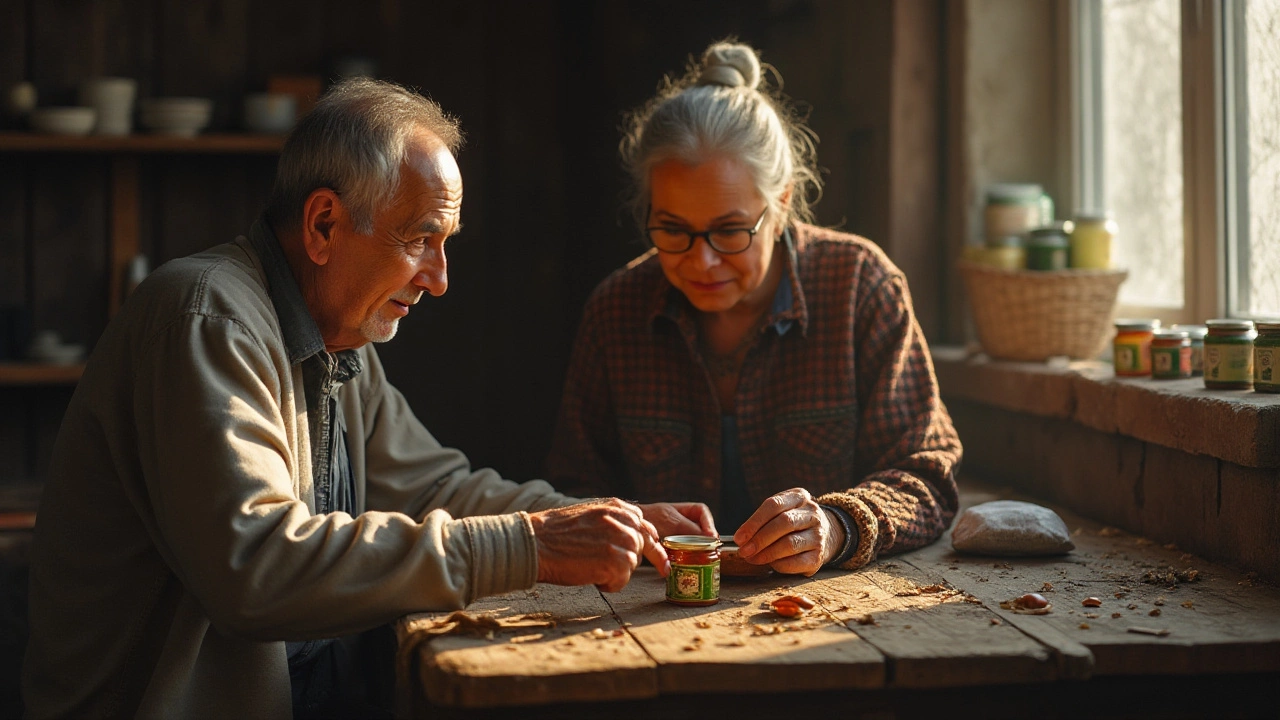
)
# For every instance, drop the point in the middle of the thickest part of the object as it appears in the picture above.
(1229, 324)
(1137, 324)
(1172, 335)
(1195, 332)
(1268, 325)
(690, 542)
(1053, 237)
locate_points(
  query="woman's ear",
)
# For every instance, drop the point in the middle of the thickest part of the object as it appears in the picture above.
(320, 215)
(784, 200)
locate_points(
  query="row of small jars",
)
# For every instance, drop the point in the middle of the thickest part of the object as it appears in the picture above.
(1230, 354)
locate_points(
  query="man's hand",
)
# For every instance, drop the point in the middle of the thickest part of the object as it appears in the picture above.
(680, 519)
(598, 543)
(791, 533)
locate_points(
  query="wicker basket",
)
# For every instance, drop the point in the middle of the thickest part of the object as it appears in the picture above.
(1035, 315)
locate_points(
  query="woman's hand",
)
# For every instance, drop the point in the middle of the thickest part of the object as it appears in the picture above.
(680, 518)
(791, 533)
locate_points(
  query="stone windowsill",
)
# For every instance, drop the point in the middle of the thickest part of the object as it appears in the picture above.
(1238, 426)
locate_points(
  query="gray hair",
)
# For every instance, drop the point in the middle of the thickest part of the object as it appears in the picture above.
(720, 108)
(353, 142)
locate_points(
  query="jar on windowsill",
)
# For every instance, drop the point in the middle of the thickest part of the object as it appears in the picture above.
(1228, 354)
(1092, 235)
(1131, 349)
(1266, 357)
(1171, 355)
(1196, 334)
(1047, 247)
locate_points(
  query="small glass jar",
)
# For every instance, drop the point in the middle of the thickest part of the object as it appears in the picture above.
(1266, 357)
(1171, 355)
(1047, 247)
(1131, 349)
(1196, 334)
(1091, 237)
(1013, 209)
(695, 569)
(1228, 355)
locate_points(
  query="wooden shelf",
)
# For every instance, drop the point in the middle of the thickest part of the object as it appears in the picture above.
(217, 143)
(40, 374)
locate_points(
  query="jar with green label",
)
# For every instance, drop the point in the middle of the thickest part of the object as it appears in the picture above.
(1266, 357)
(1047, 247)
(1196, 334)
(1131, 349)
(1228, 355)
(695, 569)
(1171, 355)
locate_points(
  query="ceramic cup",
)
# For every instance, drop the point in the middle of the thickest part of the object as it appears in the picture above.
(113, 98)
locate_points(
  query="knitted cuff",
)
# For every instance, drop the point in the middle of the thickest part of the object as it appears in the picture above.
(864, 524)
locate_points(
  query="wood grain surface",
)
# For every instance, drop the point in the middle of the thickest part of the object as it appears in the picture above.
(922, 621)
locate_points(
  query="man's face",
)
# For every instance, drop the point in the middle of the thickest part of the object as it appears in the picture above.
(370, 281)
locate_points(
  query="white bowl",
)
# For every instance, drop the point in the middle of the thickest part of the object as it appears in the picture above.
(176, 116)
(63, 120)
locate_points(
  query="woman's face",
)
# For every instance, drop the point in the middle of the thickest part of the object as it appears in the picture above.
(713, 195)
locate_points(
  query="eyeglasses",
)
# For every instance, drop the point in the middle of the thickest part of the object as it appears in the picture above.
(726, 241)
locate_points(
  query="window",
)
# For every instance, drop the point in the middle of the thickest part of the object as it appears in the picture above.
(1176, 122)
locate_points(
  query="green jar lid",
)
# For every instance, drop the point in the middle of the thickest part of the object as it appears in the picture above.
(1229, 324)
(1014, 193)
(1051, 237)
(1137, 324)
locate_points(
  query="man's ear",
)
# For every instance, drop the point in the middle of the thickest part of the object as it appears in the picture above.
(320, 215)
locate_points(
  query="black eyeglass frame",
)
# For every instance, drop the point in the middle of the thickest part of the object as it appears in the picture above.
(706, 235)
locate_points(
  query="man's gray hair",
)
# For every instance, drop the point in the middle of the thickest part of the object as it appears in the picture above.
(353, 142)
(722, 108)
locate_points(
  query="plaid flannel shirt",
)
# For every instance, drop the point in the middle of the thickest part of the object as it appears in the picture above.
(847, 407)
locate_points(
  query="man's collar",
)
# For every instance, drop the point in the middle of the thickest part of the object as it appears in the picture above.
(302, 336)
(788, 301)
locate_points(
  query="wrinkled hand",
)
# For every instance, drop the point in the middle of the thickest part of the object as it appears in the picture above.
(791, 533)
(680, 519)
(598, 543)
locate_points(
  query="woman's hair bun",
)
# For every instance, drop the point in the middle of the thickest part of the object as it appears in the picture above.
(730, 64)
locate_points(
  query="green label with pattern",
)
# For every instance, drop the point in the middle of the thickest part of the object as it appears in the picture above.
(694, 582)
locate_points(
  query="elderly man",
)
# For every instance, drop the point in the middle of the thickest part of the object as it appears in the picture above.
(236, 480)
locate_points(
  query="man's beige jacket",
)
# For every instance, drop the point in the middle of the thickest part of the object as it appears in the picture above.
(176, 547)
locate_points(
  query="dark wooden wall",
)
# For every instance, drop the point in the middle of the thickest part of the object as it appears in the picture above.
(540, 88)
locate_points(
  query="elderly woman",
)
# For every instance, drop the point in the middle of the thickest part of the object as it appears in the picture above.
(751, 361)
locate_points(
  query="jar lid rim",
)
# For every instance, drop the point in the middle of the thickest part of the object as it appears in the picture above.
(1172, 335)
(1268, 325)
(690, 542)
(1229, 324)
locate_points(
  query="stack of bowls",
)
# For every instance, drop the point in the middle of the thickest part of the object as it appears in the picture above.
(182, 116)
(63, 120)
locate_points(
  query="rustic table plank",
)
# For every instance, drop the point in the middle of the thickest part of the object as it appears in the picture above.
(931, 635)
(580, 659)
(1220, 623)
(737, 646)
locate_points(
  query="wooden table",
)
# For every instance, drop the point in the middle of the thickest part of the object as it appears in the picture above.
(923, 622)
